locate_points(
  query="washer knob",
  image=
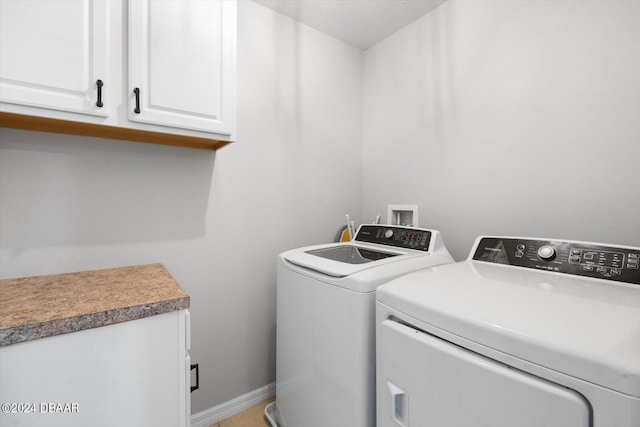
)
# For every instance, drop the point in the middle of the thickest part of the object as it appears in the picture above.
(546, 252)
(388, 234)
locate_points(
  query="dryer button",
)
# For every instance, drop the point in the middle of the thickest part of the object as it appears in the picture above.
(546, 252)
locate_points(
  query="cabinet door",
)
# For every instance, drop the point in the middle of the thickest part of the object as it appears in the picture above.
(52, 54)
(129, 374)
(182, 63)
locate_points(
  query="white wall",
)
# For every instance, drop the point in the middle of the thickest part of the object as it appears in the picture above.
(216, 221)
(509, 117)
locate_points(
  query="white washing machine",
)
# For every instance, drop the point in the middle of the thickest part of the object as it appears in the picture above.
(524, 333)
(325, 364)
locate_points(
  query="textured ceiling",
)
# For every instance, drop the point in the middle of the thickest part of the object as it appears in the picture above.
(361, 23)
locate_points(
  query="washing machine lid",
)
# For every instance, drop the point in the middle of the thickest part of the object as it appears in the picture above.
(584, 327)
(351, 254)
(345, 259)
(374, 245)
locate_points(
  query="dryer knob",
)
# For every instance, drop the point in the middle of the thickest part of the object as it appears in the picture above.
(546, 252)
(388, 234)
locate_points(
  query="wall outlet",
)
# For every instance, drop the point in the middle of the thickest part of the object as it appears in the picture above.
(403, 215)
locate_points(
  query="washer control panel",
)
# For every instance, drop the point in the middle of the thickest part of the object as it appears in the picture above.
(401, 237)
(577, 258)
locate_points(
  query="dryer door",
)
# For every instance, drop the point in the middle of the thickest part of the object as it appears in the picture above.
(423, 380)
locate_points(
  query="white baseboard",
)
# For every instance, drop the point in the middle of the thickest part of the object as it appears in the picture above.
(233, 406)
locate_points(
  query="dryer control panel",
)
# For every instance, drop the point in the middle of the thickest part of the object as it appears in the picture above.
(401, 237)
(568, 257)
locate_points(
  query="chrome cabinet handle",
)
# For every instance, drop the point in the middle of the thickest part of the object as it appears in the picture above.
(137, 92)
(99, 83)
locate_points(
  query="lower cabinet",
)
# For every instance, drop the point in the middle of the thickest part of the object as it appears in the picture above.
(130, 374)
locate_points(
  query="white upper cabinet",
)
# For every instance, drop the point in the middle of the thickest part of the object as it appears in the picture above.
(182, 70)
(54, 55)
(65, 67)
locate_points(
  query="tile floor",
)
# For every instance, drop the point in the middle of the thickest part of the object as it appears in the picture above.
(252, 417)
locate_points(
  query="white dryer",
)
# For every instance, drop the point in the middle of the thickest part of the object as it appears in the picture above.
(524, 333)
(325, 356)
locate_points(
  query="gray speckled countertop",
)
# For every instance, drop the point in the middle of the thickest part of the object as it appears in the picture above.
(43, 306)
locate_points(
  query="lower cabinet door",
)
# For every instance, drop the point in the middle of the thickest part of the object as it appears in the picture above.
(423, 380)
(129, 374)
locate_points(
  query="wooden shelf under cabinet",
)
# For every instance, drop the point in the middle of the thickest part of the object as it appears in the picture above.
(43, 124)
